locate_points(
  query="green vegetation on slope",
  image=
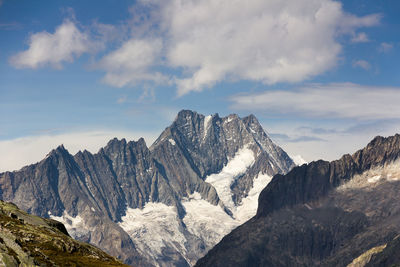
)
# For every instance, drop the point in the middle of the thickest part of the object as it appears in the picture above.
(28, 240)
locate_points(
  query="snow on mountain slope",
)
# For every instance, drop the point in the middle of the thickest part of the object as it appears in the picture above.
(207, 120)
(248, 207)
(298, 160)
(210, 223)
(153, 229)
(166, 205)
(75, 226)
(223, 180)
(157, 227)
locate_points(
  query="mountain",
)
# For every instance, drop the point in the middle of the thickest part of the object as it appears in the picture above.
(28, 240)
(163, 205)
(340, 213)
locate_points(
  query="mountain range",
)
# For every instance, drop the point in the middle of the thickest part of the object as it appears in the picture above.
(163, 205)
(340, 213)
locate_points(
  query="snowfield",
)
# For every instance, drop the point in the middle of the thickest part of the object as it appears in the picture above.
(157, 226)
(223, 180)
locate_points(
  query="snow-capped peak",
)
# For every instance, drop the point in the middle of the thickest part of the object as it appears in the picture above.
(298, 160)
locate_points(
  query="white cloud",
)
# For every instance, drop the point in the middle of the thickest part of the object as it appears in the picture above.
(206, 42)
(343, 100)
(360, 38)
(66, 43)
(385, 47)
(362, 64)
(349, 23)
(196, 44)
(266, 41)
(19, 152)
(132, 63)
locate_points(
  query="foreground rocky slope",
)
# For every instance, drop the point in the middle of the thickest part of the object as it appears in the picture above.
(166, 205)
(27, 240)
(324, 214)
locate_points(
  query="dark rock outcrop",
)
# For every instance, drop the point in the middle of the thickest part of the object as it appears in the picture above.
(312, 181)
(323, 214)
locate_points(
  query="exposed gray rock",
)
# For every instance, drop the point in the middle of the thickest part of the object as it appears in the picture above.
(323, 214)
(27, 240)
(93, 193)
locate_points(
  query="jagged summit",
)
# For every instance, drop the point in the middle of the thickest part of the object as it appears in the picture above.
(202, 172)
(58, 150)
(378, 152)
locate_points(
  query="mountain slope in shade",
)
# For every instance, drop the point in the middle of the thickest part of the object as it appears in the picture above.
(166, 205)
(28, 240)
(324, 214)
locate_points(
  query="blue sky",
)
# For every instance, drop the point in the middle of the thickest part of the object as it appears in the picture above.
(321, 76)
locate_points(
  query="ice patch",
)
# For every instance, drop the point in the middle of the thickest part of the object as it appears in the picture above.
(298, 160)
(154, 228)
(249, 205)
(172, 141)
(75, 226)
(207, 121)
(211, 223)
(222, 181)
(206, 221)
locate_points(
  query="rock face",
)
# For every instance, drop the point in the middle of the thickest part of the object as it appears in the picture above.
(324, 214)
(27, 240)
(152, 206)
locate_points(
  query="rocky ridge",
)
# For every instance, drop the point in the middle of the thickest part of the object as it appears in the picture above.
(120, 198)
(323, 214)
(28, 240)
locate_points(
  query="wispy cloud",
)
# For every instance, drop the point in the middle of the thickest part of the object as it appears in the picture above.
(360, 38)
(295, 139)
(343, 100)
(372, 127)
(317, 130)
(369, 127)
(148, 95)
(385, 47)
(10, 26)
(362, 64)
